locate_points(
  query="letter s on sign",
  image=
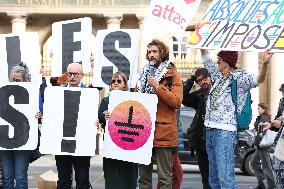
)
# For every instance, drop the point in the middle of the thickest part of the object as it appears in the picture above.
(18, 120)
(114, 56)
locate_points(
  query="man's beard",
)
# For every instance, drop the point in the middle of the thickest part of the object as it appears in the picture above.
(155, 62)
(205, 88)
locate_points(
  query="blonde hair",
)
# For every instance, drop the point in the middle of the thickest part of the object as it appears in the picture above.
(124, 78)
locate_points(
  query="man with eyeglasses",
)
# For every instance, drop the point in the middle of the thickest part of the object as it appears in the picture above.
(161, 78)
(74, 75)
(66, 163)
(196, 131)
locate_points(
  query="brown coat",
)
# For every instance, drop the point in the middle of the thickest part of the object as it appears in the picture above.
(168, 101)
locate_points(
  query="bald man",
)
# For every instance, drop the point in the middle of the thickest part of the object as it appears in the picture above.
(74, 75)
(65, 163)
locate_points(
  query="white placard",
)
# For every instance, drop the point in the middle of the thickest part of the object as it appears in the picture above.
(18, 125)
(170, 16)
(240, 26)
(80, 115)
(116, 50)
(129, 132)
(17, 48)
(71, 42)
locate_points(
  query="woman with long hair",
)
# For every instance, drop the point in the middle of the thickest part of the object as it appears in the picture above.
(118, 174)
(260, 161)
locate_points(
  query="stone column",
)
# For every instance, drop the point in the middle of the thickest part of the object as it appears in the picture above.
(250, 64)
(142, 44)
(19, 23)
(113, 21)
(276, 79)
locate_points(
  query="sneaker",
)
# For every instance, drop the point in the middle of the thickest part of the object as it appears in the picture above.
(260, 186)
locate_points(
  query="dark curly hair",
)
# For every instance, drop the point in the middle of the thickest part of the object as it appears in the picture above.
(202, 71)
(163, 49)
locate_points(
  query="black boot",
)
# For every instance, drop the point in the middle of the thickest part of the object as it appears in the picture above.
(260, 186)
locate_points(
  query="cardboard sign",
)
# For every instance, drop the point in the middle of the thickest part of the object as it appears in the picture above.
(129, 131)
(170, 16)
(47, 180)
(116, 50)
(240, 26)
(18, 107)
(69, 123)
(17, 48)
(71, 43)
(237, 36)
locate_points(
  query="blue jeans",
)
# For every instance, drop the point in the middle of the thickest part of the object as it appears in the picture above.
(220, 145)
(15, 166)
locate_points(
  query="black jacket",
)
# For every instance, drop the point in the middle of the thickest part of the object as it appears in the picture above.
(280, 108)
(103, 107)
(280, 111)
(196, 100)
(260, 133)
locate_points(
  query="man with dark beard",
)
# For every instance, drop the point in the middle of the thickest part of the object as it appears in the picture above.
(196, 131)
(160, 77)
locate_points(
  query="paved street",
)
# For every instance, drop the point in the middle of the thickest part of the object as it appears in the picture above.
(191, 180)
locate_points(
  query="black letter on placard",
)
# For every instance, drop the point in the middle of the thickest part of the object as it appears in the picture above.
(254, 39)
(14, 117)
(236, 32)
(71, 109)
(13, 52)
(68, 44)
(114, 56)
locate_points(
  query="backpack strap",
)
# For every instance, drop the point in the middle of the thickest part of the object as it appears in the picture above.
(234, 91)
(234, 94)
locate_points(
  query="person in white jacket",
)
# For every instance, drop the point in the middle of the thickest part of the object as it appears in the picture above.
(220, 118)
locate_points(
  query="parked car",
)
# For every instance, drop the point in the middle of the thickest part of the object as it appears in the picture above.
(243, 152)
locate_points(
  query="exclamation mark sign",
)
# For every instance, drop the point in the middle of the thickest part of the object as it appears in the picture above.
(71, 109)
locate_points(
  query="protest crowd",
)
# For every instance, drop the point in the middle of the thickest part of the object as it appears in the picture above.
(136, 109)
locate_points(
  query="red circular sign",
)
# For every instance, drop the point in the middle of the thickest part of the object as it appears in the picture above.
(130, 125)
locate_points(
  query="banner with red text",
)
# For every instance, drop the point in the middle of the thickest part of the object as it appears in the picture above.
(170, 16)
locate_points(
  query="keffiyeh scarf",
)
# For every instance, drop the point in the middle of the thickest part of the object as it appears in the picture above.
(160, 72)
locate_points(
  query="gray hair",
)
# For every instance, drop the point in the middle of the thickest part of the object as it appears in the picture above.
(23, 70)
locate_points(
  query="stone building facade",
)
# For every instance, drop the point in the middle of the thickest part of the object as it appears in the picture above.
(38, 16)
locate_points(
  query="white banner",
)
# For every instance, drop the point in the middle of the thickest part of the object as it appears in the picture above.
(17, 48)
(19, 103)
(69, 121)
(241, 26)
(130, 129)
(237, 36)
(172, 16)
(116, 50)
(71, 42)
